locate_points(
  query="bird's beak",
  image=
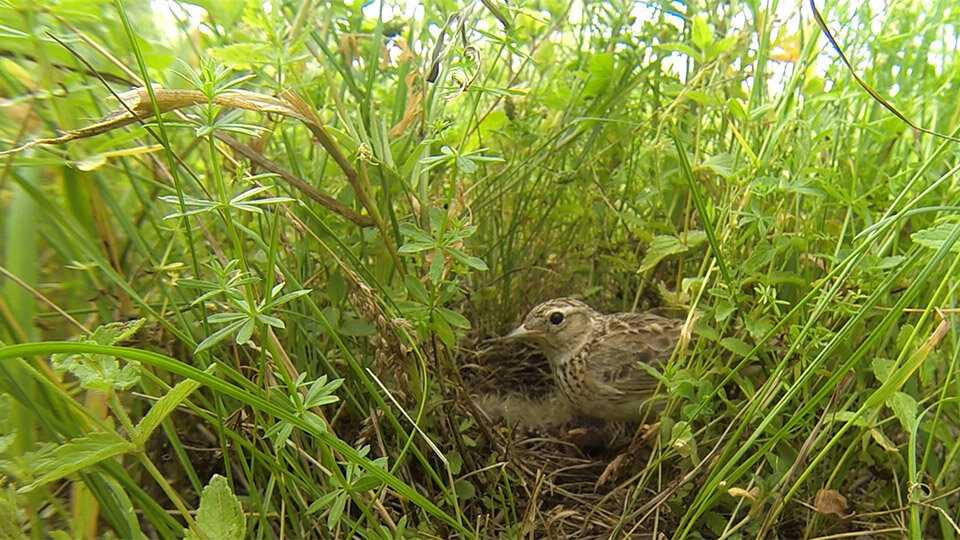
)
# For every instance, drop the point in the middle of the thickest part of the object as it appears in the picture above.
(519, 332)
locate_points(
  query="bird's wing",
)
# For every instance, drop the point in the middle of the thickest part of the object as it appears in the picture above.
(631, 339)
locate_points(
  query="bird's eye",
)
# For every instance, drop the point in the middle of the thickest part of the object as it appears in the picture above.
(556, 317)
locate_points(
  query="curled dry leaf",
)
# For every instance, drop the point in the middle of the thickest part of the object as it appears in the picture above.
(413, 111)
(830, 501)
(750, 494)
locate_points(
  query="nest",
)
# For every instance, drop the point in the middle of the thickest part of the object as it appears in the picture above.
(568, 477)
(573, 472)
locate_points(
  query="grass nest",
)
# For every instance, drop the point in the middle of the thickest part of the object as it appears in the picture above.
(569, 475)
(566, 474)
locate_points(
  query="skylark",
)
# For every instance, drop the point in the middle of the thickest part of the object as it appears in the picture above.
(596, 358)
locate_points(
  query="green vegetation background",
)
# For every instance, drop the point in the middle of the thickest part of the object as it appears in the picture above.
(293, 277)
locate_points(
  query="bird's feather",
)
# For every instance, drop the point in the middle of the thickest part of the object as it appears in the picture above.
(600, 362)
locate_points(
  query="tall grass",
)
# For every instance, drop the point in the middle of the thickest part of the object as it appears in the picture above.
(275, 291)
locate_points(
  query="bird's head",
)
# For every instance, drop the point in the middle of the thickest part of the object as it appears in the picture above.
(557, 326)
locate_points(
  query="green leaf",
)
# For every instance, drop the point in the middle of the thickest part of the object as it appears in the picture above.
(116, 332)
(454, 318)
(436, 266)
(652, 371)
(723, 165)
(416, 234)
(683, 389)
(665, 245)
(736, 346)
(220, 335)
(324, 501)
(336, 511)
(717, 48)
(336, 287)
(102, 373)
(716, 523)
(416, 289)
(601, 68)
(465, 490)
(778, 277)
(883, 440)
(269, 320)
(126, 377)
(352, 326)
(493, 122)
(56, 462)
(366, 482)
(736, 108)
(702, 33)
(165, 405)
(602, 64)
(722, 310)
(416, 247)
(468, 260)
(883, 368)
(662, 247)
(936, 236)
(279, 432)
(321, 392)
(465, 164)
(292, 295)
(228, 11)
(97, 372)
(757, 324)
(315, 421)
(241, 55)
(6, 440)
(444, 332)
(454, 461)
(437, 217)
(706, 99)
(220, 514)
(245, 332)
(848, 416)
(220, 318)
(760, 255)
(126, 511)
(680, 48)
(704, 330)
(683, 440)
(884, 263)
(905, 408)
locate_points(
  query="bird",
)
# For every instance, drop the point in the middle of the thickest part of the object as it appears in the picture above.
(598, 360)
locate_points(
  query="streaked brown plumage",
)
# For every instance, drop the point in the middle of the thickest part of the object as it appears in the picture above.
(595, 358)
